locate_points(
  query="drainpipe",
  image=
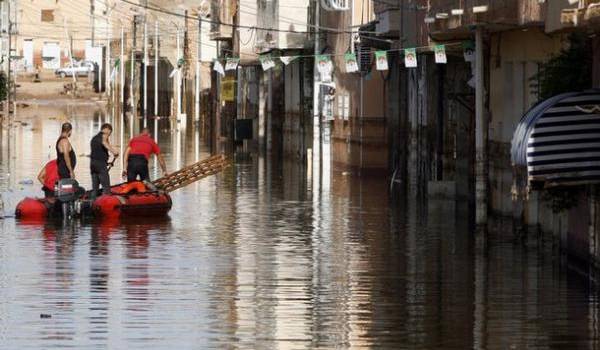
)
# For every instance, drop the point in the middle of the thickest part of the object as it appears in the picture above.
(481, 132)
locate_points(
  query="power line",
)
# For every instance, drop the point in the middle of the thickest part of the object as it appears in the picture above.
(159, 9)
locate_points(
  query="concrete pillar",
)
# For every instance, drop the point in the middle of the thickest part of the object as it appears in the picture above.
(481, 135)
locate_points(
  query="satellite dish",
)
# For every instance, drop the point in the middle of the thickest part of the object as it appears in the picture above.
(204, 8)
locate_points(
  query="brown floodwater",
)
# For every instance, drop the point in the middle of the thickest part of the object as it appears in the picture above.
(257, 257)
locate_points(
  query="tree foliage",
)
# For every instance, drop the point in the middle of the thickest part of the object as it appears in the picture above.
(570, 70)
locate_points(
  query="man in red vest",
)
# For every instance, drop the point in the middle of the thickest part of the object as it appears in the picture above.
(48, 177)
(137, 154)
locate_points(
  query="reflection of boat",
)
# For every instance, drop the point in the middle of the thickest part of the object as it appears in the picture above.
(128, 199)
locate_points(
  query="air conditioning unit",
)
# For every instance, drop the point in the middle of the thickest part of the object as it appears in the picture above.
(388, 23)
(363, 54)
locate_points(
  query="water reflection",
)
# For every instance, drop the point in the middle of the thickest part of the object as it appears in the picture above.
(258, 257)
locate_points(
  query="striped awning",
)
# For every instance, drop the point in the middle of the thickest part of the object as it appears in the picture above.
(559, 140)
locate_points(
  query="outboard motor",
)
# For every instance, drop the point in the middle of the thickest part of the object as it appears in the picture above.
(67, 192)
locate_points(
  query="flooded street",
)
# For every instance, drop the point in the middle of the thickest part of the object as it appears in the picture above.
(256, 258)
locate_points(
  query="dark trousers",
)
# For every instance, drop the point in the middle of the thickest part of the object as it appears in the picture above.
(63, 171)
(100, 176)
(137, 165)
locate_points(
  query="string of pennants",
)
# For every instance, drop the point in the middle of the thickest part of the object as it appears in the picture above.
(325, 63)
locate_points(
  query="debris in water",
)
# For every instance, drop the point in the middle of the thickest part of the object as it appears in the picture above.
(45, 316)
(26, 182)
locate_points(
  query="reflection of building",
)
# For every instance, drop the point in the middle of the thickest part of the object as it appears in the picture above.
(275, 101)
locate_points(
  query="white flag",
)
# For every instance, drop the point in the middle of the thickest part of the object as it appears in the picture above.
(440, 54)
(113, 74)
(266, 62)
(218, 67)
(287, 59)
(410, 58)
(325, 67)
(232, 63)
(381, 60)
(351, 63)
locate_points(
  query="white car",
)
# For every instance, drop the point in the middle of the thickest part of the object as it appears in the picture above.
(79, 69)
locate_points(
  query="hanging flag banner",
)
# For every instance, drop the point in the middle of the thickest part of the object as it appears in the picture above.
(381, 60)
(228, 89)
(469, 51)
(218, 67)
(440, 54)
(287, 59)
(232, 64)
(410, 58)
(113, 73)
(267, 62)
(325, 67)
(351, 63)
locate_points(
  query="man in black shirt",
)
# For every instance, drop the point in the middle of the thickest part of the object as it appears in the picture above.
(101, 146)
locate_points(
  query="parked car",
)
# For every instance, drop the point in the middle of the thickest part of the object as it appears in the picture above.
(78, 68)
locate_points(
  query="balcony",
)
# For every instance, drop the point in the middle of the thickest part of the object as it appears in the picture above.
(222, 12)
(289, 26)
(584, 13)
(448, 15)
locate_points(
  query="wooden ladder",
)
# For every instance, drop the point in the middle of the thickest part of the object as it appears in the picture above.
(192, 173)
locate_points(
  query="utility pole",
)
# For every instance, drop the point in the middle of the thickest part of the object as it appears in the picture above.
(122, 99)
(108, 70)
(156, 53)
(132, 85)
(178, 77)
(145, 73)
(481, 133)
(198, 72)
(132, 94)
(92, 21)
(9, 75)
(70, 40)
(316, 129)
(14, 85)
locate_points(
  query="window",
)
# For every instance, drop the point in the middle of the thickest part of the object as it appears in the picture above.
(47, 15)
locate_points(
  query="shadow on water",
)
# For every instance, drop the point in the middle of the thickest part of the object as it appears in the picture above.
(262, 257)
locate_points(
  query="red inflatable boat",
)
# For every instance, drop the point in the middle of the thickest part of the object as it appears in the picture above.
(132, 199)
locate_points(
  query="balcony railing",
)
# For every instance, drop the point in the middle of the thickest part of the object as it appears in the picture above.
(452, 14)
(221, 12)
